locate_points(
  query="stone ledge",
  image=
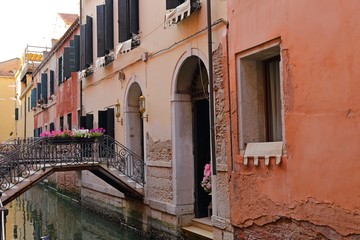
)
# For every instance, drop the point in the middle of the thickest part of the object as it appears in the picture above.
(158, 164)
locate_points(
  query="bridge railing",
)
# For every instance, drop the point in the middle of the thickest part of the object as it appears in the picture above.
(27, 156)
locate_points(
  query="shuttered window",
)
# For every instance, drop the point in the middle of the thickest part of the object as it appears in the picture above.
(76, 53)
(38, 93)
(16, 114)
(109, 26)
(52, 127)
(66, 63)
(60, 70)
(128, 19)
(100, 24)
(33, 97)
(86, 44)
(44, 89)
(52, 80)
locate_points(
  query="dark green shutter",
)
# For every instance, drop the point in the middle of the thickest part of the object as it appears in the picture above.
(66, 62)
(44, 90)
(60, 70)
(109, 26)
(72, 56)
(89, 42)
(123, 10)
(52, 80)
(134, 17)
(77, 52)
(38, 94)
(33, 97)
(100, 23)
(82, 47)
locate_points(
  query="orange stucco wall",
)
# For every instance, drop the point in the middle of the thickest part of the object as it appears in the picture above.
(318, 180)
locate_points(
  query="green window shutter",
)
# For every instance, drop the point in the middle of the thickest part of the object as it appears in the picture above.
(44, 89)
(100, 23)
(109, 26)
(89, 41)
(66, 63)
(77, 52)
(60, 70)
(52, 80)
(124, 25)
(33, 97)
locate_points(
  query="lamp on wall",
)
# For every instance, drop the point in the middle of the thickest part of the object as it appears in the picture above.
(117, 111)
(142, 107)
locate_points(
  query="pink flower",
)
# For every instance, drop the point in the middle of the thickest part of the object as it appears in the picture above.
(207, 170)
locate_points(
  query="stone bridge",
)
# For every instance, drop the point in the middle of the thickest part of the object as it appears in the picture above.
(25, 162)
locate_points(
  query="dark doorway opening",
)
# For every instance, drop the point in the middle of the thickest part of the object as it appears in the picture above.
(201, 135)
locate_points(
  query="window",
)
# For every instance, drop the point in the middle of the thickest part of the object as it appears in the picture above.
(171, 4)
(60, 71)
(128, 19)
(105, 28)
(62, 123)
(69, 121)
(52, 79)
(260, 97)
(86, 44)
(44, 87)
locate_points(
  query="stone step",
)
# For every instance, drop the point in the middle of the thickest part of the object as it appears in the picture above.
(200, 229)
(196, 233)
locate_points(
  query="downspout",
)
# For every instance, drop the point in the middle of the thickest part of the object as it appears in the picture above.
(211, 91)
(81, 89)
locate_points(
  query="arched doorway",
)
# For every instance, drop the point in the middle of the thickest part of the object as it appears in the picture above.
(191, 134)
(134, 122)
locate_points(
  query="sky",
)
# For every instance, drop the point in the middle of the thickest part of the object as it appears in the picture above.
(30, 22)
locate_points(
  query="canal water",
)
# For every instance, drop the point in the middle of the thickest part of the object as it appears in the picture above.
(42, 212)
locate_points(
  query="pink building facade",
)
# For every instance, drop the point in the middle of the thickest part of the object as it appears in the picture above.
(294, 119)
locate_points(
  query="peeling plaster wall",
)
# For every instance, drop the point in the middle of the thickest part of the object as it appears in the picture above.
(315, 186)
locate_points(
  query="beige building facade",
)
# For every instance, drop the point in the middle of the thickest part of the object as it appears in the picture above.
(165, 63)
(8, 99)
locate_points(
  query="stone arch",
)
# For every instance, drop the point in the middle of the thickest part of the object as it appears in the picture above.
(191, 72)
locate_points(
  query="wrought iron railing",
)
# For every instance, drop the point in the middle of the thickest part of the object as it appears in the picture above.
(26, 157)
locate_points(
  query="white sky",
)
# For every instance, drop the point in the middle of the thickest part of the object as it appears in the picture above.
(29, 22)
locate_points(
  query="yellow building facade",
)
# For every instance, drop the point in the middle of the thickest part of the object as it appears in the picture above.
(8, 100)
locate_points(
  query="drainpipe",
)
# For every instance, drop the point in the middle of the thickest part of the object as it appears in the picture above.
(211, 91)
(81, 90)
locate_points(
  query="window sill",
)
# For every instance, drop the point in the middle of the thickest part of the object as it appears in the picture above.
(264, 150)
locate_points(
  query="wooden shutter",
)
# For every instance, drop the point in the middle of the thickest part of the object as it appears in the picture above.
(89, 121)
(60, 70)
(110, 122)
(72, 57)
(77, 53)
(123, 20)
(66, 64)
(89, 42)
(100, 23)
(52, 80)
(38, 95)
(109, 26)
(33, 97)
(82, 47)
(44, 89)
(134, 17)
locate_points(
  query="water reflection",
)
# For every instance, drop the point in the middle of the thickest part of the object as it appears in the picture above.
(42, 212)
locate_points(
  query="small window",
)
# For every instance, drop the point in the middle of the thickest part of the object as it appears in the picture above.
(260, 97)
(69, 121)
(62, 123)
